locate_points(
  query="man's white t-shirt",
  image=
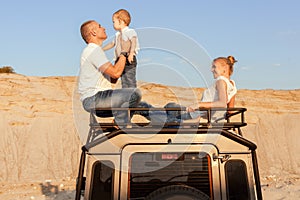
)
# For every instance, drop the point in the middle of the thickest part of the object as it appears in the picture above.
(91, 80)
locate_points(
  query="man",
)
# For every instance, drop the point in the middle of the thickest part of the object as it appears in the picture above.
(95, 76)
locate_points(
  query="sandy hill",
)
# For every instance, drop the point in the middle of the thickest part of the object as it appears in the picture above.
(41, 118)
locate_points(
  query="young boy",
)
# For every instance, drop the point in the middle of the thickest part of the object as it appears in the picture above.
(125, 42)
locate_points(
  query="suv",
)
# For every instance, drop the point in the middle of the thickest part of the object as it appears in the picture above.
(187, 160)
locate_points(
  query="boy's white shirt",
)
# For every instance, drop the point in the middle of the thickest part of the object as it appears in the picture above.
(127, 34)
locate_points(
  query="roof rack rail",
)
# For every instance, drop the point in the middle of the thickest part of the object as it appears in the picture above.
(97, 127)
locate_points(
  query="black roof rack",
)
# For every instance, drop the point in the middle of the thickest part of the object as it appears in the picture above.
(97, 127)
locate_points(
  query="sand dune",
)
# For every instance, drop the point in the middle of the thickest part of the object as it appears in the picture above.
(41, 118)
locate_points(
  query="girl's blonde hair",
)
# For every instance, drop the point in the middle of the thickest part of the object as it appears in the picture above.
(123, 15)
(229, 61)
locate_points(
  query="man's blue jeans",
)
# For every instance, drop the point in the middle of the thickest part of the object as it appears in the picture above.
(119, 98)
(163, 116)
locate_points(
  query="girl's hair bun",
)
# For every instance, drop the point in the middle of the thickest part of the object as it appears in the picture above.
(231, 59)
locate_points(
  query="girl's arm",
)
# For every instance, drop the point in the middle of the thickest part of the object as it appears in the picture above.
(220, 103)
(222, 98)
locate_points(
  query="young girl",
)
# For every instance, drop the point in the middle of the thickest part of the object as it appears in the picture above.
(220, 94)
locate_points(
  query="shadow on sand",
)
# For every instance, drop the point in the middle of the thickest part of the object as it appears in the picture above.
(54, 192)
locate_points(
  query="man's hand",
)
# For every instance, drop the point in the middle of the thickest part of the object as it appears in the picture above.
(113, 80)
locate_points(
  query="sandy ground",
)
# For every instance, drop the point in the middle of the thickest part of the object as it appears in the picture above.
(56, 190)
(273, 188)
(41, 121)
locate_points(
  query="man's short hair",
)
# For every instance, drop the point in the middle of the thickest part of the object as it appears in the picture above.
(85, 30)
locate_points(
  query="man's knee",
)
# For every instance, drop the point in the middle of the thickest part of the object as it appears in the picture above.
(172, 105)
(137, 94)
(173, 115)
(135, 97)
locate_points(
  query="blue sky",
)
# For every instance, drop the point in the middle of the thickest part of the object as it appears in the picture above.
(41, 38)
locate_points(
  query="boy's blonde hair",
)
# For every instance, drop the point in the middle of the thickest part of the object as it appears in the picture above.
(123, 15)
